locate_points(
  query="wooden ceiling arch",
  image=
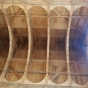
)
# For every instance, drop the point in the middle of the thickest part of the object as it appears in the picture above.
(58, 30)
(77, 42)
(20, 33)
(38, 20)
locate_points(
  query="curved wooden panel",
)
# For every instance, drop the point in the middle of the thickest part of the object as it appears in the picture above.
(78, 42)
(57, 60)
(4, 41)
(20, 32)
(37, 65)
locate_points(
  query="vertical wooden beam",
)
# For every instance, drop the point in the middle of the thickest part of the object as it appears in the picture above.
(30, 43)
(11, 43)
(67, 45)
(48, 43)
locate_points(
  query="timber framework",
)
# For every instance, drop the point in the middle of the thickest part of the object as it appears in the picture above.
(43, 43)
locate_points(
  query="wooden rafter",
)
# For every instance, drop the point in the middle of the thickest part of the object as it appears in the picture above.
(59, 15)
(12, 68)
(18, 12)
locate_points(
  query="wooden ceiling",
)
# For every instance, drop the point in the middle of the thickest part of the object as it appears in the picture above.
(38, 20)
(37, 63)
